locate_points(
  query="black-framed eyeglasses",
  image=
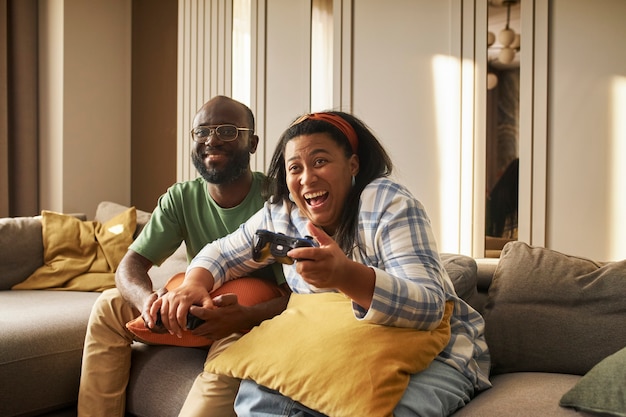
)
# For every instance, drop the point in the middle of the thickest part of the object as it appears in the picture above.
(225, 133)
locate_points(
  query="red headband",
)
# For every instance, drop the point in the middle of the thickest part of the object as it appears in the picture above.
(337, 121)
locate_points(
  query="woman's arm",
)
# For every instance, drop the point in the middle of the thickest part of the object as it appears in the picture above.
(396, 239)
(224, 259)
(231, 256)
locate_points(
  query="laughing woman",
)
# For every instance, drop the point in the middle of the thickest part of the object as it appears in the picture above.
(329, 180)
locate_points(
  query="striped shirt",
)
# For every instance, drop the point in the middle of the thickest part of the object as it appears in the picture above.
(395, 239)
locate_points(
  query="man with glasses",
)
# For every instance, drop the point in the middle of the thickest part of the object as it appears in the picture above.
(197, 212)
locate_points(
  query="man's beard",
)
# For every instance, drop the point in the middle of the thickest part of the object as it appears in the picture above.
(232, 171)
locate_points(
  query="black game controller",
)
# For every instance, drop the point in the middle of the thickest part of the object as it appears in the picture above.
(277, 245)
(192, 321)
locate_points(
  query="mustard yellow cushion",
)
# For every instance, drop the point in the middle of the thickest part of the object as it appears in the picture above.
(80, 255)
(317, 353)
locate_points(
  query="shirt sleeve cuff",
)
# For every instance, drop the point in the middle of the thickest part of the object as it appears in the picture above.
(376, 313)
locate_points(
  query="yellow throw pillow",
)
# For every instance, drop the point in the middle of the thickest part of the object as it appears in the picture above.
(80, 255)
(317, 353)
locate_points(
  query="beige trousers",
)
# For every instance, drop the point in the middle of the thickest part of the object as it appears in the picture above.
(211, 394)
(107, 360)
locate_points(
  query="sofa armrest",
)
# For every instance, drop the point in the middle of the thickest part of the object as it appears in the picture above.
(485, 270)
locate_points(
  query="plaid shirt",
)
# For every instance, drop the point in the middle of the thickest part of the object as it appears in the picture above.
(394, 239)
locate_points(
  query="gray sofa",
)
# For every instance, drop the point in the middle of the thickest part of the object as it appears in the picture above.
(544, 332)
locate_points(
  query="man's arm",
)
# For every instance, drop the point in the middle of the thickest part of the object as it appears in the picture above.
(135, 285)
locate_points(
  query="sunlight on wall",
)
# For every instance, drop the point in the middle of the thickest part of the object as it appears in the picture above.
(321, 55)
(617, 188)
(446, 75)
(241, 51)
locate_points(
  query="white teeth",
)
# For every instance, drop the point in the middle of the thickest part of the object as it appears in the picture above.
(315, 194)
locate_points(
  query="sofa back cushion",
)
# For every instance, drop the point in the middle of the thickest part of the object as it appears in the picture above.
(462, 271)
(551, 312)
(106, 210)
(21, 249)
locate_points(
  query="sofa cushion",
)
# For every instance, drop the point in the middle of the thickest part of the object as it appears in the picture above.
(316, 352)
(462, 271)
(42, 345)
(523, 394)
(603, 389)
(106, 210)
(551, 312)
(160, 379)
(175, 264)
(21, 249)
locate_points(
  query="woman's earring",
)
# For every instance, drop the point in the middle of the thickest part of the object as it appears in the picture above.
(353, 180)
(291, 198)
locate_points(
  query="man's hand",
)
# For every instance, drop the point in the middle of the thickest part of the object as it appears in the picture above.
(151, 320)
(174, 305)
(228, 316)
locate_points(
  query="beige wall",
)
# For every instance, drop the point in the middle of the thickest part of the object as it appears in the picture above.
(576, 183)
(586, 210)
(387, 75)
(91, 89)
(391, 70)
(411, 103)
(85, 104)
(386, 60)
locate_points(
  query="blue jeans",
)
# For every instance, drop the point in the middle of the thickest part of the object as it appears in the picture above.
(438, 391)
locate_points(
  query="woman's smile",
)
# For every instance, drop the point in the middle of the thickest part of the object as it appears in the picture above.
(316, 199)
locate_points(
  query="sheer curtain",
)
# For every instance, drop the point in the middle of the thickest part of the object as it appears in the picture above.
(19, 174)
